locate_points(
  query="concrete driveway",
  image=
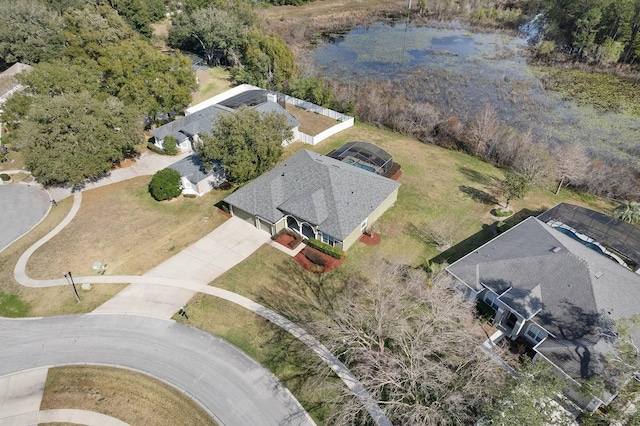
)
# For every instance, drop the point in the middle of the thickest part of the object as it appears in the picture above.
(21, 208)
(202, 262)
(225, 381)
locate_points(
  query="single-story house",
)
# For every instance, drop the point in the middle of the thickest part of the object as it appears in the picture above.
(195, 179)
(555, 289)
(317, 197)
(188, 129)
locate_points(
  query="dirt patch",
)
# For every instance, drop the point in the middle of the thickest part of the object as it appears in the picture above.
(311, 123)
(132, 397)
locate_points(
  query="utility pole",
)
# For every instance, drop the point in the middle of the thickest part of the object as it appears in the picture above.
(68, 276)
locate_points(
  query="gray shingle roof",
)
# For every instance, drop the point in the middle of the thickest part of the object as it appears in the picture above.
(561, 283)
(325, 192)
(269, 106)
(191, 167)
(200, 122)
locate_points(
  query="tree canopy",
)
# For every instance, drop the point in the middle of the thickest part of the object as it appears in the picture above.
(30, 32)
(69, 138)
(247, 142)
(603, 30)
(227, 33)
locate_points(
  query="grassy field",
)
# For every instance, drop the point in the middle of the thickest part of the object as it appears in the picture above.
(132, 397)
(122, 226)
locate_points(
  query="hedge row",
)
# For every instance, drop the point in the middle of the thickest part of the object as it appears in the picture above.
(334, 252)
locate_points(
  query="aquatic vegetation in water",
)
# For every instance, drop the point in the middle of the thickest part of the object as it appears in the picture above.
(606, 93)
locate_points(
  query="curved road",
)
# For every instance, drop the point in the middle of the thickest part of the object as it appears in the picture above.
(203, 366)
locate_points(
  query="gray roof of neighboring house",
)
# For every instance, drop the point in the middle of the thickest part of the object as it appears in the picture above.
(325, 192)
(552, 276)
(199, 122)
(8, 81)
(192, 168)
(268, 107)
(16, 68)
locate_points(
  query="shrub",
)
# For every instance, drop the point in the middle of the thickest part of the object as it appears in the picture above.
(502, 213)
(314, 256)
(170, 145)
(334, 252)
(165, 185)
(5, 177)
(151, 147)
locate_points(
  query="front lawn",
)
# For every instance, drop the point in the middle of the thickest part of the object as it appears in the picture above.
(122, 226)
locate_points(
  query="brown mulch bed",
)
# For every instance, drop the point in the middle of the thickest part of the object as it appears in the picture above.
(397, 175)
(330, 263)
(287, 238)
(370, 240)
(223, 213)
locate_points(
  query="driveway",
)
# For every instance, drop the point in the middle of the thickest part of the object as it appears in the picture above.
(230, 385)
(21, 208)
(200, 263)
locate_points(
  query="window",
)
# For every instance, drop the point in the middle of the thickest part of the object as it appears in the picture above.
(326, 238)
(492, 300)
(536, 333)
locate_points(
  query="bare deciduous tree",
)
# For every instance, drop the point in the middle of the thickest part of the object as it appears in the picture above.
(572, 163)
(411, 346)
(482, 130)
(534, 162)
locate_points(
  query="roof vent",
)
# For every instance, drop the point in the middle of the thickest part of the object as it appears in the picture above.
(556, 249)
(598, 274)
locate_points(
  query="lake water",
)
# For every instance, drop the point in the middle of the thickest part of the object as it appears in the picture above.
(460, 70)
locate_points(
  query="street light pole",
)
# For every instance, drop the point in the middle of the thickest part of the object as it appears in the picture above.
(73, 285)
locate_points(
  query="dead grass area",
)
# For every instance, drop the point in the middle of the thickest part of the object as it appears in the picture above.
(50, 300)
(122, 226)
(14, 161)
(300, 25)
(210, 83)
(160, 31)
(311, 123)
(132, 397)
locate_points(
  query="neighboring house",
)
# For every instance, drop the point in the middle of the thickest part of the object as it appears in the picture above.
(195, 179)
(316, 196)
(9, 85)
(553, 289)
(199, 121)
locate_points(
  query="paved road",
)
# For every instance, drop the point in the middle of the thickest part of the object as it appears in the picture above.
(21, 208)
(224, 380)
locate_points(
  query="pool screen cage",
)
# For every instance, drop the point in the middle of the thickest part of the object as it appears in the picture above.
(614, 233)
(366, 153)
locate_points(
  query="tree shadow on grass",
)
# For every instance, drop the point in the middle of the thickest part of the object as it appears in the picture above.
(477, 177)
(478, 195)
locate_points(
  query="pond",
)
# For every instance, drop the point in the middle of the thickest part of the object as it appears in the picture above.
(458, 70)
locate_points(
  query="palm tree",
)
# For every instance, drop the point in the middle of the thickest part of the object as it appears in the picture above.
(629, 211)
